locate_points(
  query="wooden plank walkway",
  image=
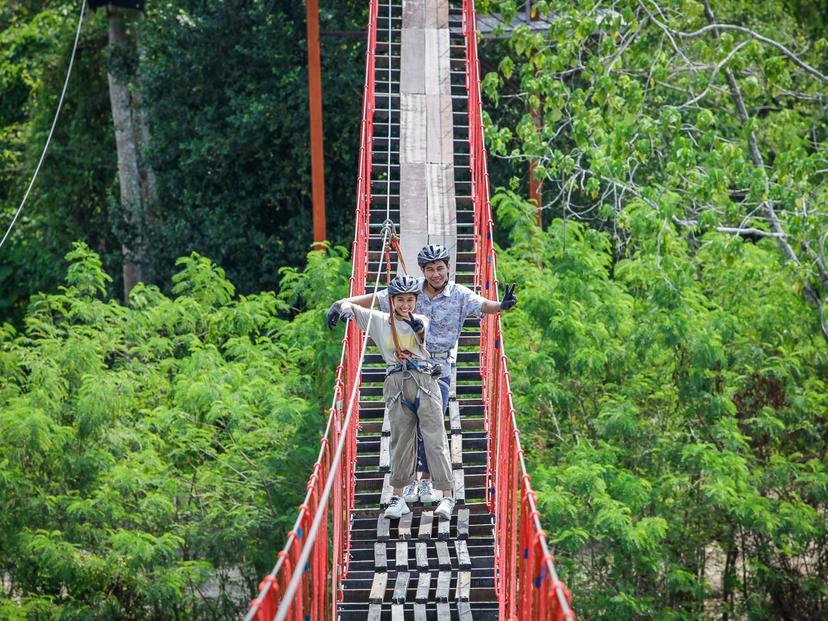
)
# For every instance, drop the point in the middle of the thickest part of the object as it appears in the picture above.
(426, 156)
(420, 567)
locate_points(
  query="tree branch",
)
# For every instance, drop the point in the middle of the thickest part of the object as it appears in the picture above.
(715, 27)
(755, 154)
(713, 75)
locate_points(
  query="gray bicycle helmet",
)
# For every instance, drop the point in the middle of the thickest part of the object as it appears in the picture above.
(431, 253)
(404, 284)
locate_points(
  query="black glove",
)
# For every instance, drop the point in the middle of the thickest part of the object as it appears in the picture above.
(334, 313)
(416, 324)
(509, 298)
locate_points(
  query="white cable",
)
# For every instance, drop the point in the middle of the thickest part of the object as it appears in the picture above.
(298, 570)
(52, 129)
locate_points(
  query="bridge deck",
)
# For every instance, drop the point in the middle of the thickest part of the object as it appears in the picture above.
(416, 567)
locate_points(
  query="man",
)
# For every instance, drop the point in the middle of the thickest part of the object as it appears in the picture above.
(447, 305)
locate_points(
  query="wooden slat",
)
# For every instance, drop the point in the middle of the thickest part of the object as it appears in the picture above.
(378, 588)
(385, 453)
(426, 519)
(443, 557)
(464, 611)
(405, 525)
(463, 558)
(453, 388)
(420, 612)
(412, 75)
(443, 529)
(454, 416)
(375, 612)
(456, 450)
(443, 612)
(442, 7)
(436, 13)
(380, 556)
(412, 135)
(383, 528)
(401, 556)
(440, 144)
(443, 586)
(401, 587)
(459, 486)
(442, 214)
(413, 14)
(437, 79)
(463, 590)
(413, 222)
(387, 490)
(386, 421)
(463, 524)
(397, 612)
(421, 552)
(423, 587)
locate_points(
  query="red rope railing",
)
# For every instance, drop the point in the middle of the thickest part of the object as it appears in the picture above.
(317, 595)
(526, 581)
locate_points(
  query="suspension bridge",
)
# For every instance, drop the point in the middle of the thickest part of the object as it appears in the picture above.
(422, 165)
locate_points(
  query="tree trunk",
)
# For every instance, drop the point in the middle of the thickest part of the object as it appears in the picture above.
(149, 185)
(136, 178)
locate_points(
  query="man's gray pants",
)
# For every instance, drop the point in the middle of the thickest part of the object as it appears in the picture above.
(401, 391)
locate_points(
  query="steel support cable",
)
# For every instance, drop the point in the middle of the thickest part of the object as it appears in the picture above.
(293, 585)
(51, 129)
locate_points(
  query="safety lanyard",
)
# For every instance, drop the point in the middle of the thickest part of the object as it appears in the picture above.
(395, 243)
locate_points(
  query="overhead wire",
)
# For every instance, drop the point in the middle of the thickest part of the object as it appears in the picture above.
(51, 129)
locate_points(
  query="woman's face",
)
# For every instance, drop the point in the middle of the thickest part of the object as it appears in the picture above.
(404, 304)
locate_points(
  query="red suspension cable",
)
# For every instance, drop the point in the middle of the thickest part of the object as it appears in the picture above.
(526, 580)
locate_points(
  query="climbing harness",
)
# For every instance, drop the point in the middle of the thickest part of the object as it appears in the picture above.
(415, 370)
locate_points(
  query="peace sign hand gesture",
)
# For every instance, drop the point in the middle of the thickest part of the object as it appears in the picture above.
(509, 298)
(416, 324)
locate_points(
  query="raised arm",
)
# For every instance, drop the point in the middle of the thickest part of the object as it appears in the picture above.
(338, 307)
(490, 307)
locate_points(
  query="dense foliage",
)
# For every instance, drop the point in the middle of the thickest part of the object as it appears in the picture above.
(679, 442)
(225, 87)
(149, 454)
(674, 303)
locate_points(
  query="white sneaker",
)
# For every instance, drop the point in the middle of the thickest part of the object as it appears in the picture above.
(397, 507)
(425, 491)
(411, 493)
(444, 509)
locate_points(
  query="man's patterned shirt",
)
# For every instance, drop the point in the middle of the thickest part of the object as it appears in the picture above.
(447, 311)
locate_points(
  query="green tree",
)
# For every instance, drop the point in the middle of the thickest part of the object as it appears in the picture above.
(714, 119)
(669, 347)
(678, 439)
(225, 88)
(150, 453)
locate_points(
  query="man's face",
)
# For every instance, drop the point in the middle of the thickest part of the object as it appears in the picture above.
(404, 304)
(436, 273)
